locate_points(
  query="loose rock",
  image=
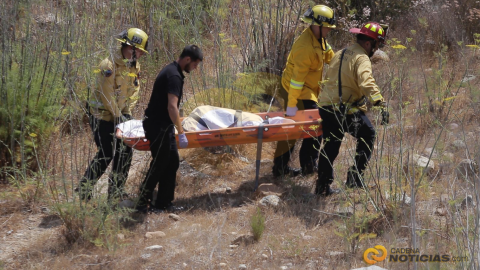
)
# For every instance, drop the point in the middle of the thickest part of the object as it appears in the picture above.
(441, 211)
(422, 163)
(399, 197)
(154, 247)
(444, 199)
(335, 253)
(243, 239)
(158, 234)
(344, 210)
(219, 190)
(429, 151)
(348, 210)
(242, 266)
(458, 145)
(121, 236)
(268, 189)
(174, 217)
(146, 256)
(452, 126)
(468, 78)
(270, 200)
(306, 237)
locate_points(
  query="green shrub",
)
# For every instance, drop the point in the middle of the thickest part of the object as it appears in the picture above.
(257, 222)
(98, 222)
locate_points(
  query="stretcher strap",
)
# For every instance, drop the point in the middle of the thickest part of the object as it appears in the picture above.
(238, 119)
(199, 120)
(259, 154)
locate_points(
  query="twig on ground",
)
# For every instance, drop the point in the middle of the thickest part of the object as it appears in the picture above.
(7, 220)
(330, 213)
(434, 231)
(93, 264)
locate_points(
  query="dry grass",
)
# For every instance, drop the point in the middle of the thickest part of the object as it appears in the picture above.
(295, 234)
(303, 232)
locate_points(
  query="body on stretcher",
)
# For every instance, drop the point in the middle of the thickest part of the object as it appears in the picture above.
(307, 124)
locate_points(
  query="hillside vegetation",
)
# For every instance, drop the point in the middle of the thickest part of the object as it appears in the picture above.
(422, 180)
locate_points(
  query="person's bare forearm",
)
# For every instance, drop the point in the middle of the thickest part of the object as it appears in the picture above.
(175, 117)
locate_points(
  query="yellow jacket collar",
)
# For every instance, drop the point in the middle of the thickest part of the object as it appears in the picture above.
(360, 48)
(119, 60)
(314, 39)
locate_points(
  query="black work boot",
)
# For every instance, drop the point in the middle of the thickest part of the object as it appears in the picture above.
(353, 180)
(309, 169)
(323, 186)
(325, 190)
(142, 206)
(287, 171)
(331, 191)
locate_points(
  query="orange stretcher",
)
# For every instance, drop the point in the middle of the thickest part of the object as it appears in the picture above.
(307, 125)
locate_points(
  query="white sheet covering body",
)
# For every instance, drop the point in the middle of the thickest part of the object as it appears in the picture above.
(210, 118)
(132, 129)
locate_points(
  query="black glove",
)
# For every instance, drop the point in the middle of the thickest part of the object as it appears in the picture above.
(121, 119)
(385, 117)
(380, 103)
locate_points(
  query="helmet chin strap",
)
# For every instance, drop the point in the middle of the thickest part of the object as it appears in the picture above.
(324, 45)
(133, 62)
(372, 50)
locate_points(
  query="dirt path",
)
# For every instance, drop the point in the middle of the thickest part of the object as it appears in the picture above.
(20, 231)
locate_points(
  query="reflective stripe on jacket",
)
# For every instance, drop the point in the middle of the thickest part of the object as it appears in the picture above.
(117, 88)
(357, 80)
(304, 68)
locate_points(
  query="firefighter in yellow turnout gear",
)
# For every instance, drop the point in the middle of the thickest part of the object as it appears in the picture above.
(111, 102)
(349, 86)
(300, 85)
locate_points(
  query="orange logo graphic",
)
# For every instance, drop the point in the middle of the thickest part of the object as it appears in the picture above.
(374, 258)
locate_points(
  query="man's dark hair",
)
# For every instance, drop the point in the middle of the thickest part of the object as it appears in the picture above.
(363, 38)
(192, 51)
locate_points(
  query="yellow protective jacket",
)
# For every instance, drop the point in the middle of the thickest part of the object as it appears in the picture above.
(357, 80)
(117, 88)
(304, 68)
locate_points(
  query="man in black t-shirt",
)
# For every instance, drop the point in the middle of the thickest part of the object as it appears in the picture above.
(161, 116)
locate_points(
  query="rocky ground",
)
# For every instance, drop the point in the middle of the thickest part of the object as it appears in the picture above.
(301, 231)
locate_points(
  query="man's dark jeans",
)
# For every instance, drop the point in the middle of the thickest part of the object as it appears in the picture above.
(163, 167)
